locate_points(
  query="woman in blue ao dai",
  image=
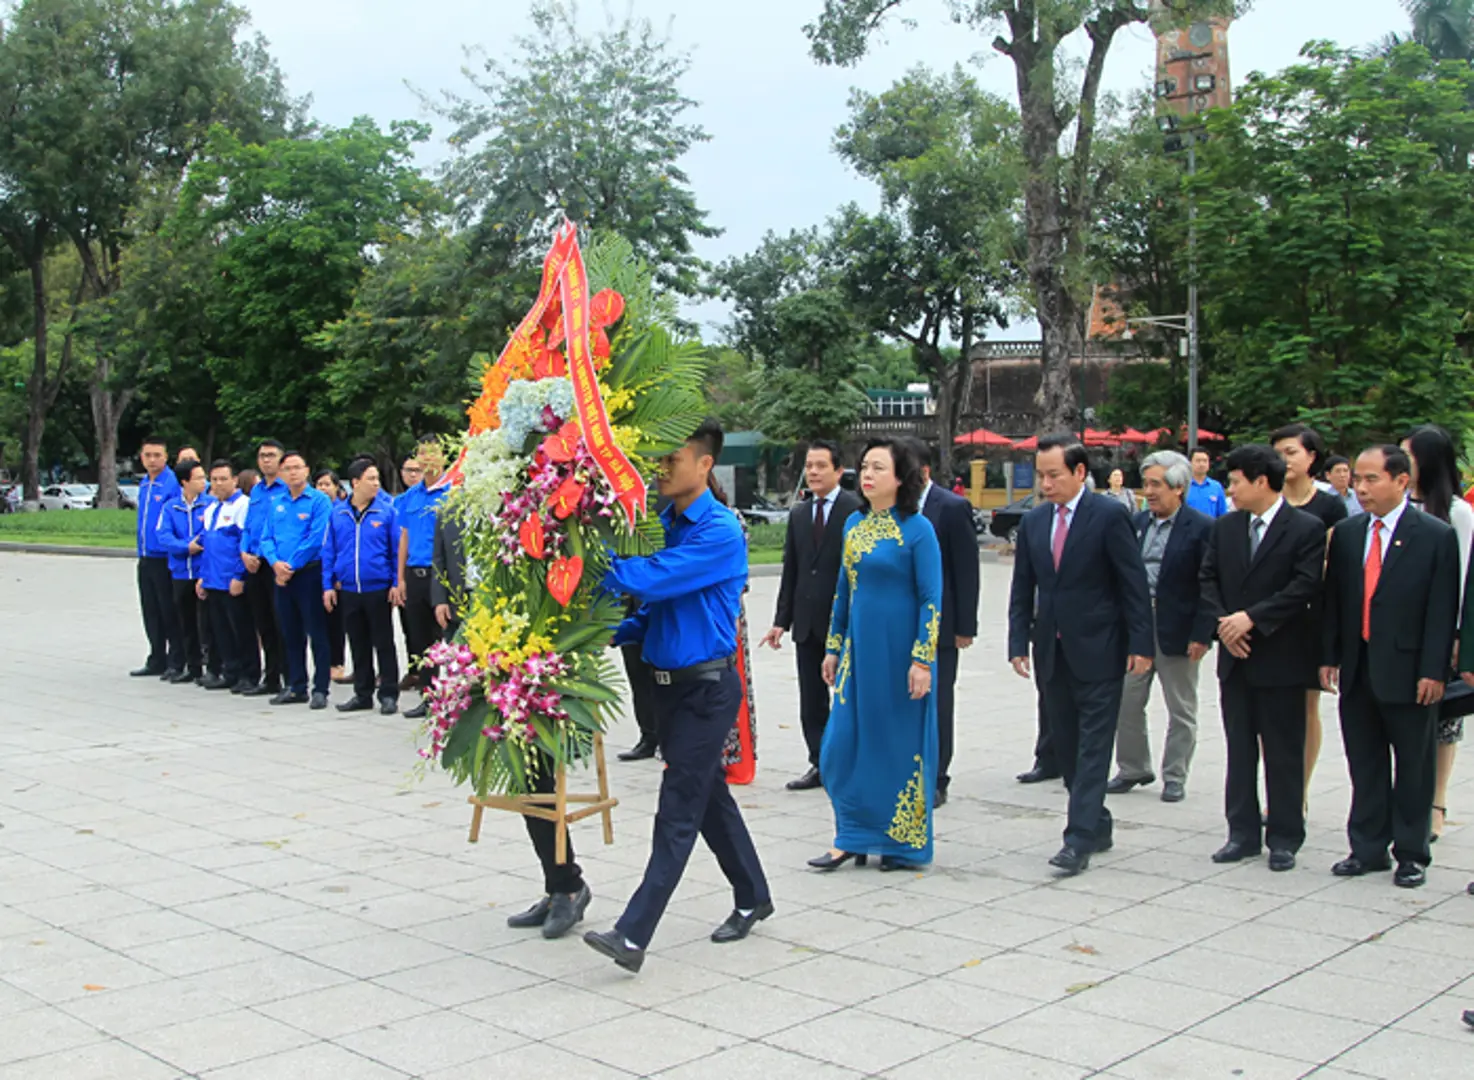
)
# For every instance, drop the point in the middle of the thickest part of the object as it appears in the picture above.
(879, 754)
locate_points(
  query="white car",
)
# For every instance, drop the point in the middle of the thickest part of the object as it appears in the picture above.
(67, 497)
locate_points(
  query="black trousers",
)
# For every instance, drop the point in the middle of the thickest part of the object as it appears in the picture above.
(1045, 758)
(1389, 808)
(946, 700)
(233, 637)
(642, 691)
(813, 694)
(1082, 728)
(368, 620)
(261, 599)
(304, 622)
(1272, 716)
(567, 878)
(695, 718)
(160, 618)
(190, 612)
(337, 636)
(421, 629)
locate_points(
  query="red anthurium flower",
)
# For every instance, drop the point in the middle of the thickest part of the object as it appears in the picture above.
(601, 345)
(566, 499)
(549, 363)
(563, 444)
(606, 309)
(532, 538)
(563, 578)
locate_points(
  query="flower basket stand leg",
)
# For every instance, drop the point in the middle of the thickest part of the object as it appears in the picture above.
(555, 807)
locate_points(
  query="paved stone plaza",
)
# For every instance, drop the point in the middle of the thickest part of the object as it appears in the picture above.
(192, 884)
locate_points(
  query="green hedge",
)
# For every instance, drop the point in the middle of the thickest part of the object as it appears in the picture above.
(119, 524)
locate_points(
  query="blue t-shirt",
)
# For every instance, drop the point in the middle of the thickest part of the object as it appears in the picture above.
(1207, 497)
(416, 512)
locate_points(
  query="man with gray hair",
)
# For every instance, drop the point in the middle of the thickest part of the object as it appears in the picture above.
(1173, 537)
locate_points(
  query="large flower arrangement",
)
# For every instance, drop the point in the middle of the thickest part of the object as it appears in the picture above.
(549, 479)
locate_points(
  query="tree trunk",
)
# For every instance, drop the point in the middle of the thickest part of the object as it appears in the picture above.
(36, 403)
(108, 408)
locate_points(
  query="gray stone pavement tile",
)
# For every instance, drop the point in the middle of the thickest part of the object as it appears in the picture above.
(316, 1060)
(277, 976)
(213, 1042)
(1035, 977)
(757, 955)
(840, 979)
(535, 1061)
(458, 980)
(200, 952)
(968, 1059)
(677, 979)
(1061, 1032)
(125, 932)
(560, 1010)
(734, 1007)
(38, 1031)
(1277, 944)
(342, 1010)
(431, 1042)
(1094, 946)
(111, 1060)
(58, 982)
(755, 1061)
(381, 953)
(996, 929)
(1189, 1056)
(1157, 1004)
(1345, 996)
(645, 1042)
(860, 1041)
(1393, 1055)
(142, 1008)
(1441, 1017)
(1427, 935)
(949, 1007)
(920, 951)
(1382, 962)
(1207, 969)
(1305, 1036)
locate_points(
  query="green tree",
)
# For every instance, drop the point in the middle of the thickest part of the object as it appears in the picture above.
(1337, 245)
(295, 225)
(591, 125)
(933, 265)
(103, 98)
(1059, 183)
(1444, 27)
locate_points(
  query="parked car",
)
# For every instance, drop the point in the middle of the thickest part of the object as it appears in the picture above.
(763, 512)
(1006, 519)
(67, 497)
(128, 494)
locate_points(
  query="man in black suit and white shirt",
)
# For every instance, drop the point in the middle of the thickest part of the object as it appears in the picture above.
(951, 517)
(1080, 598)
(1392, 594)
(811, 557)
(1260, 574)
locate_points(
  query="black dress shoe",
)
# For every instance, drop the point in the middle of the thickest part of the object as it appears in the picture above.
(892, 863)
(1071, 860)
(1236, 851)
(1122, 784)
(178, 678)
(241, 687)
(941, 799)
(641, 751)
(611, 943)
(1036, 775)
(1281, 860)
(1469, 1017)
(1351, 866)
(356, 704)
(168, 676)
(388, 707)
(738, 925)
(1409, 875)
(419, 712)
(1173, 791)
(145, 671)
(807, 782)
(289, 697)
(258, 690)
(533, 917)
(319, 700)
(830, 861)
(216, 682)
(565, 912)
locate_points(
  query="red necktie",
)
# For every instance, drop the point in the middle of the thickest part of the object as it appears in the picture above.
(1061, 534)
(1371, 574)
(818, 524)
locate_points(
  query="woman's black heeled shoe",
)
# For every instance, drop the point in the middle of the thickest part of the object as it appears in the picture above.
(830, 861)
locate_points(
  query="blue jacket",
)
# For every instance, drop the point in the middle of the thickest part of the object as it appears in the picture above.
(153, 495)
(224, 523)
(262, 496)
(1207, 498)
(294, 528)
(1181, 620)
(180, 525)
(416, 510)
(361, 553)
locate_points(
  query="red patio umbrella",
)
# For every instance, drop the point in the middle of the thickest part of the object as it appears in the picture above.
(1031, 443)
(1100, 438)
(1131, 435)
(983, 437)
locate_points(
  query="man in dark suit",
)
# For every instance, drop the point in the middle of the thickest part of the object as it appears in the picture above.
(1080, 597)
(448, 577)
(1392, 594)
(1260, 574)
(951, 517)
(1173, 537)
(811, 557)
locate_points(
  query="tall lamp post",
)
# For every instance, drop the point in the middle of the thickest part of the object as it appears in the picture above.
(1185, 324)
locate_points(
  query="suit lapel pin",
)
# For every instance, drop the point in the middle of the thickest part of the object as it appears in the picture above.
(1397, 543)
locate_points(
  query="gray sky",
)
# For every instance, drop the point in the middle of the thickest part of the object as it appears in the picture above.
(771, 111)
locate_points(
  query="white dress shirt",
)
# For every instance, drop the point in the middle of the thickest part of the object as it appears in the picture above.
(1389, 526)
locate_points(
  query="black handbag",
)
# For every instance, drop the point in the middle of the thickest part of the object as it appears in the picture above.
(1458, 700)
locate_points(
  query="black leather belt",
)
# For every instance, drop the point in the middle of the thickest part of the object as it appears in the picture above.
(418, 571)
(711, 671)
